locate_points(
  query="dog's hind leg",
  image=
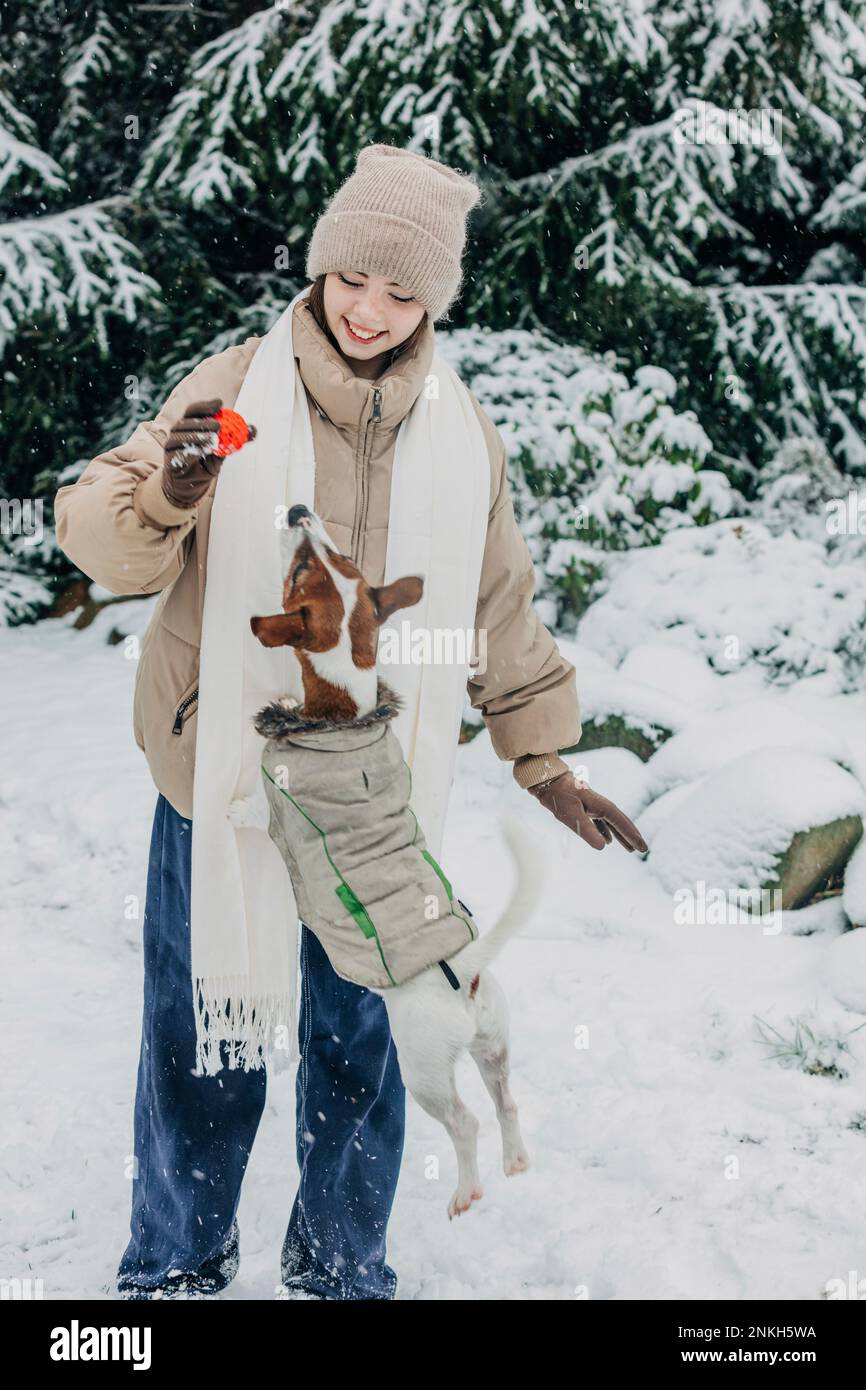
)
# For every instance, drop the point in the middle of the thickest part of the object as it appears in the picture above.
(490, 1050)
(435, 1090)
(462, 1127)
(431, 1027)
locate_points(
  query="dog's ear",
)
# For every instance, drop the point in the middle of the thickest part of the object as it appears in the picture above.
(401, 593)
(280, 630)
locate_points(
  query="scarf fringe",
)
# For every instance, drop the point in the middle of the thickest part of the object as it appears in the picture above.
(226, 1012)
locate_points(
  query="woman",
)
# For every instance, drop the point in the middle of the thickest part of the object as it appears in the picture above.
(385, 262)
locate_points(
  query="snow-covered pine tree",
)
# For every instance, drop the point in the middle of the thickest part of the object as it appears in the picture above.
(66, 272)
(791, 319)
(94, 286)
(612, 218)
(737, 268)
(740, 266)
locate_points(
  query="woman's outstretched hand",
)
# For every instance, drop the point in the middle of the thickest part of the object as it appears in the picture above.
(190, 464)
(589, 814)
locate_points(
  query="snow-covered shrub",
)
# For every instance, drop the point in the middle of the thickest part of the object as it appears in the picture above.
(31, 562)
(23, 596)
(801, 491)
(598, 463)
(738, 595)
(795, 486)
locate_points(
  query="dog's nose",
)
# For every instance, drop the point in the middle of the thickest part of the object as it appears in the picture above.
(296, 513)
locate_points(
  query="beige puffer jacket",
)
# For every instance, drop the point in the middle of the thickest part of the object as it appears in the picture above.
(117, 526)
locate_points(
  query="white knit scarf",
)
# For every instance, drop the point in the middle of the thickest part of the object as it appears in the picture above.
(244, 925)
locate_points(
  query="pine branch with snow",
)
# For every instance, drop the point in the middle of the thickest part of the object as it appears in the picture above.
(67, 264)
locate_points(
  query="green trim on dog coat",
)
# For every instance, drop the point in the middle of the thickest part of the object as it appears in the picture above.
(363, 878)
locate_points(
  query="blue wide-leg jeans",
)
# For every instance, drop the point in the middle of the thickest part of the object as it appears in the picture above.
(193, 1134)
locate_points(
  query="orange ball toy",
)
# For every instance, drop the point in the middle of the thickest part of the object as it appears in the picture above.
(234, 432)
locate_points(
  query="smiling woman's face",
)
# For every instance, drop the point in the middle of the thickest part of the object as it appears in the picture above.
(372, 305)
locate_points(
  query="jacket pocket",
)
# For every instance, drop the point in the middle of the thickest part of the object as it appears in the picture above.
(168, 669)
(185, 704)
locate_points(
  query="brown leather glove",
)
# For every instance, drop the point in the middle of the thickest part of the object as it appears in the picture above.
(589, 814)
(190, 466)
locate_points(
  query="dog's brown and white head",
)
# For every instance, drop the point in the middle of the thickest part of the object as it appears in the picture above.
(331, 616)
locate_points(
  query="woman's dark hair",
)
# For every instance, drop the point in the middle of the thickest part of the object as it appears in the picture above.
(316, 301)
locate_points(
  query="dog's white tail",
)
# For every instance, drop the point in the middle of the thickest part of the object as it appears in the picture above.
(529, 865)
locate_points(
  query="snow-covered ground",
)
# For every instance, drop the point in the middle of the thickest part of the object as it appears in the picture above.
(672, 1155)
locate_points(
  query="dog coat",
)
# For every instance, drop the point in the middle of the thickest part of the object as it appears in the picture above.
(363, 878)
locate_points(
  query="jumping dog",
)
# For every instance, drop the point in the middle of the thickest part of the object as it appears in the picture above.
(331, 617)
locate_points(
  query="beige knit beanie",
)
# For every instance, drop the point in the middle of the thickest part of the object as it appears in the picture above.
(402, 215)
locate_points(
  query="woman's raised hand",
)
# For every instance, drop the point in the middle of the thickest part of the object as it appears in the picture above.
(190, 464)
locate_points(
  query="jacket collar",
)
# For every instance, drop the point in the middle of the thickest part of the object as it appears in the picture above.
(285, 716)
(347, 399)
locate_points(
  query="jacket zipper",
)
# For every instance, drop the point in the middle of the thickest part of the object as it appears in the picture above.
(366, 449)
(181, 710)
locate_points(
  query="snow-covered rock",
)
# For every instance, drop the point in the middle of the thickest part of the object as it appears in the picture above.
(618, 712)
(733, 831)
(710, 742)
(844, 969)
(586, 660)
(854, 892)
(616, 773)
(685, 675)
(654, 814)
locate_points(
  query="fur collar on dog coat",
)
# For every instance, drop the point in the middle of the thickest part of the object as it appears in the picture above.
(363, 878)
